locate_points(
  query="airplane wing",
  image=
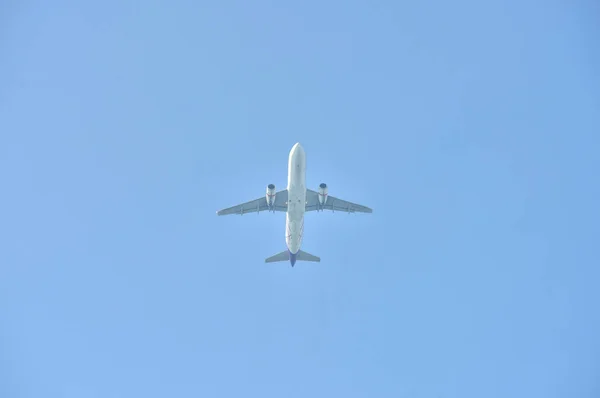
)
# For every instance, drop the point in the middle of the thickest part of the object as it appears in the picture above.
(258, 205)
(333, 204)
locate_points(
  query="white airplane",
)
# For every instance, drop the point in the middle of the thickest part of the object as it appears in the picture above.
(295, 200)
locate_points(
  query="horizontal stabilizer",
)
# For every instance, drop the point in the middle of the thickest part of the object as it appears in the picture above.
(283, 256)
(286, 256)
(304, 256)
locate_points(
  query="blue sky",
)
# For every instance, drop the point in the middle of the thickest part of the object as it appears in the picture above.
(471, 128)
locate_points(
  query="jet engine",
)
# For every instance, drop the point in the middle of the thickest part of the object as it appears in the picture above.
(270, 195)
(322, 193)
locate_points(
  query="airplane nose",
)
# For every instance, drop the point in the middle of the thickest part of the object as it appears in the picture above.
(297, 147)
(297, 150)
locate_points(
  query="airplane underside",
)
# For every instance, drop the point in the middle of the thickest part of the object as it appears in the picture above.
(295, 201)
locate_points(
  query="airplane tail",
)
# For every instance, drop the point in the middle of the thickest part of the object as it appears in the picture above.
(300, 256)
(304, 256)
(283, 256)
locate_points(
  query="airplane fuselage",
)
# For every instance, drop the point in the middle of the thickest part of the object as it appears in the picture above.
(296, 206)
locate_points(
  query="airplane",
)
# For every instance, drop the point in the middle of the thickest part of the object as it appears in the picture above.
(295, 200)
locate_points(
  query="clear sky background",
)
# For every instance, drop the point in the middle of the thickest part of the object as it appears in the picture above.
(470, 127)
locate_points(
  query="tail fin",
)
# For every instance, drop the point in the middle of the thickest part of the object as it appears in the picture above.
(286, 256)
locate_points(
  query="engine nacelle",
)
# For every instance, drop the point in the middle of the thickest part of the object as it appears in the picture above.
(270, 195)
(322, 193)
